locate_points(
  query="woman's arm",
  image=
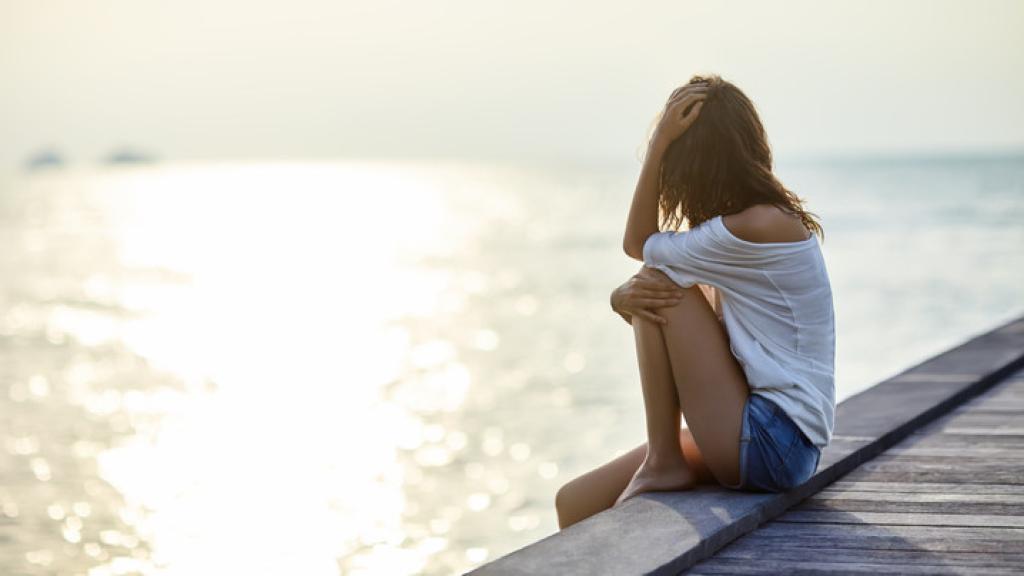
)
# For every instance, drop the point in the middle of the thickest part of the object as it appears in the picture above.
(643, 212)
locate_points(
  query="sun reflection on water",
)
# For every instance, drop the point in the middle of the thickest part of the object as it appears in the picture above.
(286, 446)
(277, 304)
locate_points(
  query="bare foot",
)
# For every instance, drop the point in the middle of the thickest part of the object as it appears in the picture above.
(664, 478)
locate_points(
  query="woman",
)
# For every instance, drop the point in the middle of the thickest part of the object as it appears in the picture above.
(733, 318)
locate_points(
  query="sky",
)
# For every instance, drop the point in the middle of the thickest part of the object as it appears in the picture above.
(506, 80)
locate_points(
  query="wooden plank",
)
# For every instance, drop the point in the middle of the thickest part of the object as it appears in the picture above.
(966, 463)
(832, 494)
(1004, 395)
(910, 469)
(730, 566)
(924, 487)
(988, 423)
(929, 538)
(667, 526)
(886, 504)
(998, 402)
(1015, 431)
(933, 503)
(749, 550)
(966, 442)
(962, 452)
(993, 404)
(901, 518)
(904, 473)
(1013, 389)
(982, 419)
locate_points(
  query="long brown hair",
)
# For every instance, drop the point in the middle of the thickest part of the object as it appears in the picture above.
(722, 164)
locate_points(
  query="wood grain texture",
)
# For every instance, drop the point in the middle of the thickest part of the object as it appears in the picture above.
(947, 499)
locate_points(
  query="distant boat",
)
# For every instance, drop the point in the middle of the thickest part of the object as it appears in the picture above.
(44, 159)
(129, 156)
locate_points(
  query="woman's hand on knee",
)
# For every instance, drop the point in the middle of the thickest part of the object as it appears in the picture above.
(645, 291)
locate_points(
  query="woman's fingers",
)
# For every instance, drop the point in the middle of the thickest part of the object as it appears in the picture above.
(687, 89)
(677, 108)
(687, 120)
(686, 101)
(663, 302)
(682, 101)
(661, 299)
(654, 296)
(635, 303)
(650, 295)
(698, 92)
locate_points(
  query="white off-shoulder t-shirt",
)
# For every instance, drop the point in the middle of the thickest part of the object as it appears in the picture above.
(776, 304)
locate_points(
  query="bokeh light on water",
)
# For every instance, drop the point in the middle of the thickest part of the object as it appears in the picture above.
(379, 368)
(267, 369)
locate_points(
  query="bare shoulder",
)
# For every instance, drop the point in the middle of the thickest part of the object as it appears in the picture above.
(766, 223)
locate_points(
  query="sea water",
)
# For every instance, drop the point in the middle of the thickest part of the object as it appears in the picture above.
(390, 367)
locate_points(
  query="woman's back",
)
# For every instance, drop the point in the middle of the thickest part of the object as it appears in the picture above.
(776, 302)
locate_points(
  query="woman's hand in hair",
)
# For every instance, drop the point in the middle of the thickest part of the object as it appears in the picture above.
(680, 113)
(643, 292)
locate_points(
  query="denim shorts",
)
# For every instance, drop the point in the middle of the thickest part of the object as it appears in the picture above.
(775, 455)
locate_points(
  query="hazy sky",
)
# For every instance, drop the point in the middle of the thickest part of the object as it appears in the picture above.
(505, 80)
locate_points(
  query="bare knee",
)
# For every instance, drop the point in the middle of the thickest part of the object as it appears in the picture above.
(562, 505)
(562, 494)
(567, 506)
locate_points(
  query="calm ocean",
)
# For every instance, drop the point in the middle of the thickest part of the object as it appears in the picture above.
(384, 368)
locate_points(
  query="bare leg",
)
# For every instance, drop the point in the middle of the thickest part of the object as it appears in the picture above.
(711, 383)
(694, 338)
(663, 466)
(597, 490)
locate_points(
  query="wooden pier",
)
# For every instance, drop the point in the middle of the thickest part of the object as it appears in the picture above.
(924, 475)
(948, 499)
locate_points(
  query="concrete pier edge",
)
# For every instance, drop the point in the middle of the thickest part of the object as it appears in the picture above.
(667, 532)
